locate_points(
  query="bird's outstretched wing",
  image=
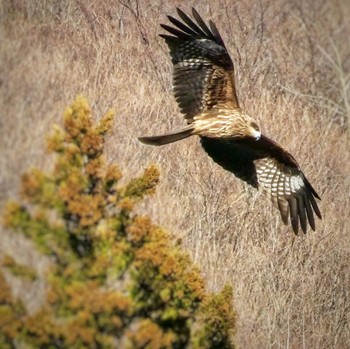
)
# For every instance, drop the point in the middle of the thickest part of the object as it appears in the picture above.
(267, 164)
(203, 70)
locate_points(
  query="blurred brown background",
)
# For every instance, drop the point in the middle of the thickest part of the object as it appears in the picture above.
(292, 65)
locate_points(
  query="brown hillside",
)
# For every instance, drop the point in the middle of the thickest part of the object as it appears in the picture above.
(292, 62)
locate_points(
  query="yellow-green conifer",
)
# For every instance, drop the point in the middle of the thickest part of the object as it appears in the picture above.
(115, 281)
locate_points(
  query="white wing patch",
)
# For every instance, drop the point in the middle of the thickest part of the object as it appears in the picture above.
(296, 183)
(280, 182)
(276, 178)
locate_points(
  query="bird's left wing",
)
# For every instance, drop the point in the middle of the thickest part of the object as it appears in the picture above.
(264, 163)
(203, 70)
(290, 191)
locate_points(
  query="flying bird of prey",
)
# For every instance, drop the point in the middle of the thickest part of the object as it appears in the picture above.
(204, 88)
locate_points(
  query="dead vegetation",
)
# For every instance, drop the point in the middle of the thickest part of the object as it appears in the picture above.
(292, 62)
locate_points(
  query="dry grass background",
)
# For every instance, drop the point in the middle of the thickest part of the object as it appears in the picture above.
(292, 61)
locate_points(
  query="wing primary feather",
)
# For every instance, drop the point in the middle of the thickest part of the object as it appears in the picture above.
(189, 22)
(294, 214)
(310, 187)
(302, 213)
(216, 33)
(202, 24)
(170, 39)
(284, 212)
(182, 26)
(315, 207)
(176, 32)
(309, 212)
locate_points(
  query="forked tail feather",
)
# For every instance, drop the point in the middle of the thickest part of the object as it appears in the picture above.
(168, 137)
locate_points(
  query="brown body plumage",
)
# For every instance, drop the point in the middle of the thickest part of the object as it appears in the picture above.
(225, 124)
(203, 85)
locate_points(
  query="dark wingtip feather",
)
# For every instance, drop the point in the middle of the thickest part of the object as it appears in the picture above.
(302, 214)
(190, 29)
(310, 203)
(216, 33)
(182, 26)
(310, 187)
(315, 194)
(169, 38)
(180, 12)
(284, 212)
(294, 219)
(315, 206)
(309, 212)
(189, 22)
(178, 33)
(202, 24)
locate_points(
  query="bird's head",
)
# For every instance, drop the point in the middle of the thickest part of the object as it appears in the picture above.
(254, 130)
(247, 127)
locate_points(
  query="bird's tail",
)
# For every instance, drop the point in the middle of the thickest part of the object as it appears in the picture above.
(168, 137)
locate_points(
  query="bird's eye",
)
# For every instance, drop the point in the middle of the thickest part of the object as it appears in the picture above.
(255, 126)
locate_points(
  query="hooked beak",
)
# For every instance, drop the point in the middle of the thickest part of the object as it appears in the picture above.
(256, 134)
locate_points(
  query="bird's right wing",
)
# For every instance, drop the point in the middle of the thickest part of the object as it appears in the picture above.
(203, 70)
